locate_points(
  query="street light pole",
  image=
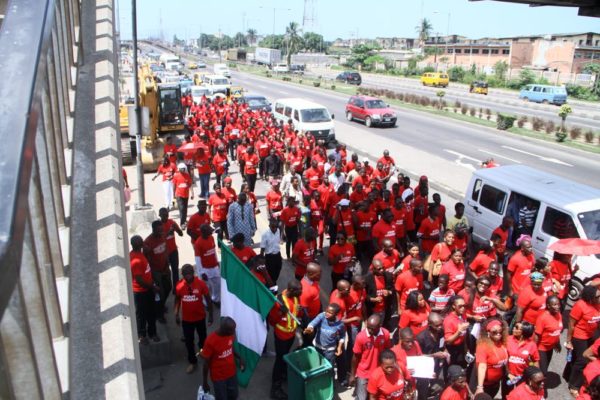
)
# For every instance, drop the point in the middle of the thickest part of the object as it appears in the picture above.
(138, 112)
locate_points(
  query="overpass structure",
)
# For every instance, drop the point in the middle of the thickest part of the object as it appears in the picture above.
(67, 324)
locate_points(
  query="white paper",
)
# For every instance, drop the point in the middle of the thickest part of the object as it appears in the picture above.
(421, 366)
(476, 330)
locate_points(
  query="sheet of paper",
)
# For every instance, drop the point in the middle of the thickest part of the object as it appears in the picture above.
(476, 330)
(421, 366)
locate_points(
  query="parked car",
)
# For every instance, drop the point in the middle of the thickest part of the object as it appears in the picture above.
(256, 102)
(349, 77)
(307, 117)
(435, 79)
(544, 94)
(297, 69)
(480, 87)
(281, 67)
(371, 110)
(201, 64)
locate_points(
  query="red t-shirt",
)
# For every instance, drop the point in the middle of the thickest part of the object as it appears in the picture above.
(171, 244)
(139, 267)
(203, 164)
(182, 182)
(451, 327)
(195, 222)
(230, 195)
(290, 216)
(591, 371)
(365, 222)
(386, 387)
(496, 286)
(167, 172)
(205, 249)
(251, 163)
(389, 261)
(548, 328)
(441, 252)
(313, 175)
(524, 392)
(367, 348)
(310, 299)
(355, 304)
(219, 162)
(344, 223)
(532, 303)
(520, 267)
(520, 355)
(416, 320)
(380, 287)
(219, 206)
(480, 264)
(191, 295)
(480, 308)
(496, 357)
(218, 350)
(346, 251)
(451, 394)
(156, 252)
(305, 252)
(501, 248)
(587, 317)
(430, 228)
(456, 273)
(244, 254)
(399, 217)
(343, 302)
(406, 282)
(562, 273)
(274, 201)
(382, 230)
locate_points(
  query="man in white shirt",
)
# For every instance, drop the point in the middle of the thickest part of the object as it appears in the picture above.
(338, 178)
(269, 248)
(286, 180)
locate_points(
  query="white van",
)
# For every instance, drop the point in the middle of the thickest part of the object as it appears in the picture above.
(308, 117)
(564, 209)
(222, 69)
(281, 67)
(216, 84)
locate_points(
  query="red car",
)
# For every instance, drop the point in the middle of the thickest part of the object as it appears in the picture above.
(371, 110)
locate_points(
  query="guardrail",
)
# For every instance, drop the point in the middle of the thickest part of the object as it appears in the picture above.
(39, 49)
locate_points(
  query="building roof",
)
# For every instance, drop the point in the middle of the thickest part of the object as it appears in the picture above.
(587, 8)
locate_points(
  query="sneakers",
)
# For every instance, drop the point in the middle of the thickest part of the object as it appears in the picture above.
(155, 338)
(143, 341)
(190, 368)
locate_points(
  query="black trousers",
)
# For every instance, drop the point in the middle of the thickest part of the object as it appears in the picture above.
(189, 330)
(365, 252)
(222, 226)
(182, 205)
(163, 280)
(273, 263)
(144, 313)
(251, 180)
(579, 362)
(282, 347)
(174, 263)
(261, 167)
(457, 354)
(291, 237)
(545, 358)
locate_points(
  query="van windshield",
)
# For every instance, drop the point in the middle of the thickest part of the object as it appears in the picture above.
(590, 221)
(220, 82)
(315, 115)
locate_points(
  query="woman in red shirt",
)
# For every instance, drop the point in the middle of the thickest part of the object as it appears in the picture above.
(522, 352)
(387, 381)
(455, 268)
(317, 218)
(480, 264)
(583, 322)
(561, 270)
(167, 169)
(491, 356)
(290, 218)
(415, 314)
(548, 328)
(442, 251)
(413, 252)
(455, 330)
(531, 302)
(217, 208)
(532, 387)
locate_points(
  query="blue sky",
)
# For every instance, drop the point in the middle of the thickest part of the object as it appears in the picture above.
(350, 18)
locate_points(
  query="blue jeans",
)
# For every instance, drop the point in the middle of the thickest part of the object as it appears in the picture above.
(204, 182)
(226, 389)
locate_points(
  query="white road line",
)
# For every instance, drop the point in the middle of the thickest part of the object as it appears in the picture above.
(261, 86)
(461, 156)
(548, 159)
(284, 92)
(500, 156)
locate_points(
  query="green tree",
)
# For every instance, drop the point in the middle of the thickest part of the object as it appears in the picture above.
(594, 69)
(313, 42)
(251, 35)
(423, 30)
(273, 42)
(500, 69)
(360, 53)
(440, 94)
(240, 40)
(293, 40)
(372, 60)
(526, 77)
(177, 41)
(563, 113)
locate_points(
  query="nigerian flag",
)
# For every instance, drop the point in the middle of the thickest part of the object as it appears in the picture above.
(245, 299)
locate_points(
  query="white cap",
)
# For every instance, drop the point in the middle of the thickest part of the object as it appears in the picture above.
(365, 160)
(181, 166)
(344, 202)
(406, 193)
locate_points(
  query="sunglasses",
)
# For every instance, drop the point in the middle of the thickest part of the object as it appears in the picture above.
(495, 332)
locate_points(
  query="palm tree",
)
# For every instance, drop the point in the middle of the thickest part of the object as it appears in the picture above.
(424, 30)
(293, 39)
(251, 36)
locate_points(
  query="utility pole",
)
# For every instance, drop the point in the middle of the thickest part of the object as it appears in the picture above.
(138, 112)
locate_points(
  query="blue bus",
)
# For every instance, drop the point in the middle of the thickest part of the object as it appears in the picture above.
(544, 94)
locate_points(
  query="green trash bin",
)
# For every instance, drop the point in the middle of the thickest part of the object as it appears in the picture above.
(310, 375)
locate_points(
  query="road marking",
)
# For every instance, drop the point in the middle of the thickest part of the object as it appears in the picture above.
(548, 159)
(500, 156)
(283, 92)
(459, 161)
(261, 86)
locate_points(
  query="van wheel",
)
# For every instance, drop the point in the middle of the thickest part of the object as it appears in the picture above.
(368, 122)
(544, 101)
(575, 289)
(525, 99)
(349, 116)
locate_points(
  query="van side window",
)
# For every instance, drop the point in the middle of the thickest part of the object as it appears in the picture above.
(288, 111)
(492, 198)
(296, 117)
(279, 108)
(558, 224)
(476, 190)
(537, 89)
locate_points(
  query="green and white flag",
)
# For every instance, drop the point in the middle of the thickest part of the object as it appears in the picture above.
(245, 299)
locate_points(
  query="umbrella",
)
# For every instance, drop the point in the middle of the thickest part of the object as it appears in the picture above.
(189, 147)
(576, 246)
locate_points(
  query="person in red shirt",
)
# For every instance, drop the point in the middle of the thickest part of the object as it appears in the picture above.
(548, 328)
(522, 352)
(144, 291)
(190, 293)
(155, 250)
(561, 271)
(197, 220)
(310, 299)
(207, 264)
(183, 189)
(167, 169)
(390, 257)
(502, 233)
(170, 149)
(340, 257)
(342, 217)
(290, 219)
(220, 164)
(364, 219)
(313, 175)
(242, 252)
(204, 169)
(170, 227)
(384, 229)
(304, 253)
(317, 218)
(458, 388)
(387, 380)
(369, 344)
(399, 213)
(429, 230)
(455, 268)
(251, 165)
(455, 329)
(531, 302)
(480, 264)
(409, 280)
(491, 356)
(415, 313)
(217, 208)
(219, 358)
(532, 387)
(583, 323)
(520, 266)
(274, 200)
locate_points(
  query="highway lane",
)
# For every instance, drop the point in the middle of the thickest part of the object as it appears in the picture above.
(454, 142)
(583, 114)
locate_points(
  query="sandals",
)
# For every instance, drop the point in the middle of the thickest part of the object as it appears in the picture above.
(574, 393)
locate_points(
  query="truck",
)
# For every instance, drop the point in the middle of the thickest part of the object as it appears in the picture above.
(236, 55)
(170, 61)
(266, 56)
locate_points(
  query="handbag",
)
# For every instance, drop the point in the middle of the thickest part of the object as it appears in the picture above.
(433, 268)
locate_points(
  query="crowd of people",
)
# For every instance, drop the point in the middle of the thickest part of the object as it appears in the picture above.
(406, 278)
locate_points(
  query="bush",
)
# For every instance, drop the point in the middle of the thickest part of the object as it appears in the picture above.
(286, 79)
(560, 136)
(400, 96)
(428, 69)
(488, 114)
(480, 114)
(456, 74)
(464, 108)
(575, 132)
(424, 101)
(457, 104)
(332, 87)
(589, 136)
(505, 122)
(521, 121)
(549, 127)
(300, 81)
(581, 92)
(316, 84)
(537, 124)
(472, 111)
